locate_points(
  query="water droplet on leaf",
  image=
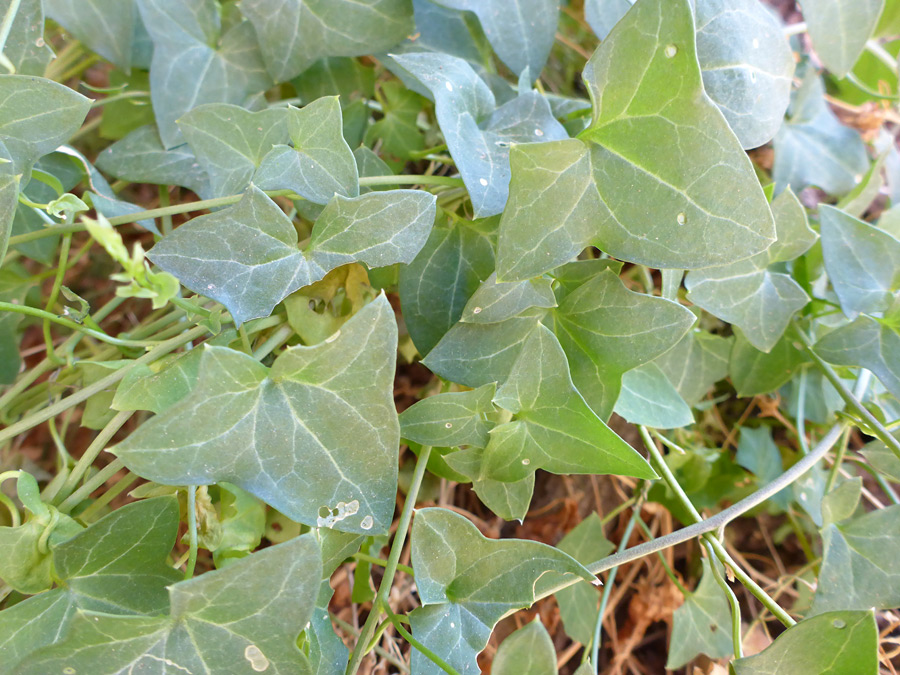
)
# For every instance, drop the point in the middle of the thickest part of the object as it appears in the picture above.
(839, 623)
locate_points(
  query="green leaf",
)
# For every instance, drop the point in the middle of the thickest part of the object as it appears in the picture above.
(13, 288)
(494, 302)
(696, 363)
(552, 183)
(748, 295)
(702, 625)
(862, 261)
(230, 142)
(552, 427)
(603, 15)
(25, 46)
(754, 372)
(578, 604)
(647, 397)
(107, 27)
(882, 460)
(475, 354)
(195, 63)
(869, 343)
(243, 520)
(795, 236)
(317, 434)
(520, 31)
(527, 651)
(241, 619)
(141, 158)
(655, 133)
(450, 419)
(841, 502)
(159, 385)
(327, 653)
(606, 330)
(36, 117)
(477, 133)
(9, 194)
(859, 565)
(509, 501)
(258, 263)
(467, 583)
(336, 75)
(839, 30)
(320, 165)
(831, 644)
(436, 285)
(814, 148)
(747, 66)
(294, 33)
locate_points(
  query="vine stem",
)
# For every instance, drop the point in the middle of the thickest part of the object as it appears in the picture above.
(607, 589)
(206, 204)
(192, 530)
(663, 469)
(154, 354)
(852, 401)
(732, 601)
(390, 569)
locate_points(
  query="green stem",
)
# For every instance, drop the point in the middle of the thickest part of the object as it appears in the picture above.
(384, 589)
(607, 588)
(192, 530)
(434, 658)
(383, 653)
(120, 97)
(97, 480)
(732, 601)
(206, 204)
(86, 461)
(54, 294)
(278, 338)
(121, 485)
(852, 401)
(68, 323)
(372, 560)
(154, 354)
(663, 469)
(838, 458)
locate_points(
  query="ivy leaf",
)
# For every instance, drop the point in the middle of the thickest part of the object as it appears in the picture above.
(117, 565)
(647, 397)
(748, 295)
(578, 604)
(141, 158)
(450, 419)
(36, 117)
(230, 142)
(436, 285)
(25, 46)
(477, 133)
(495, 301)
(862, 261)
(883, 460)
(754, 372)
(657, 133)
(552, 209)
(814, 148)
(527, 651)
(257, 263)
(839, 30)
(317, 434)
(841, 502)
(552, 428)
(475, 354)
(294, 33)
(159, 385)
(702, 624)
(107, 27)
(467, 583)
(696, 363)
(830, 644)
(320, 165)
(869, 343)
(747, 66)
(244, 618)
(603, 15)
(859, 569)
(758, 454)
(520, 31)
(795, 236)
(606, 330)
(509, 501)
(193, 63)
